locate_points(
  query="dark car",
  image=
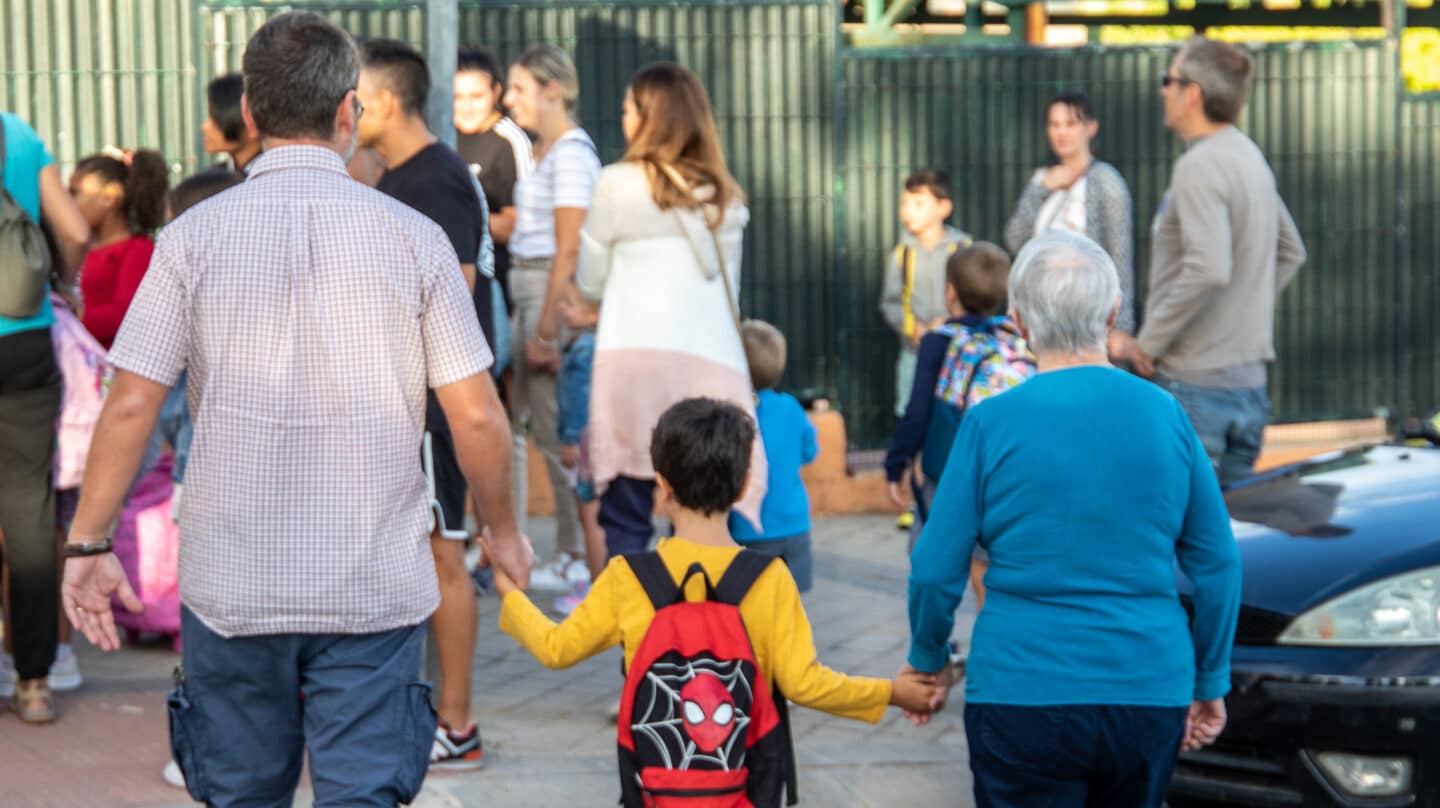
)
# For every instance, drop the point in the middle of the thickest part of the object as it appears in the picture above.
(1336, 670)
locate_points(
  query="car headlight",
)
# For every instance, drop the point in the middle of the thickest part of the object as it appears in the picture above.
(1402, 610)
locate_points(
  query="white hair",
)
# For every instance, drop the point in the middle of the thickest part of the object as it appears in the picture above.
(1064, 287)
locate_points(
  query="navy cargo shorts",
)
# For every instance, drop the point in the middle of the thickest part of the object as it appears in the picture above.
(239, 726)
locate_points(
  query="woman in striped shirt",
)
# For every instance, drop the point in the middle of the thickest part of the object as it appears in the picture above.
(550, 207)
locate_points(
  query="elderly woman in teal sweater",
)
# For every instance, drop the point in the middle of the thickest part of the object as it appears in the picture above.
(1086, 485)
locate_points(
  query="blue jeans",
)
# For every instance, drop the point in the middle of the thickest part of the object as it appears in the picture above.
(796, 552)
(1231, 424)
(175, 427)
(239, 722)
(1090, 755)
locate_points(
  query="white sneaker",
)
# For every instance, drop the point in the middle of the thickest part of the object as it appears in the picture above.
(65, 671)
(554, 577)
(7, 676)
(578, 574)
(172, 775)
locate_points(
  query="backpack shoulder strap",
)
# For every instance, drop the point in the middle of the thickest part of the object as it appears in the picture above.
(654, 578)
(741, 575)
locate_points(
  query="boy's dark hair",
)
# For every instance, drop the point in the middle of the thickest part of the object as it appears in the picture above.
(702, 448)
(765, 351)
(979, 275)
(223, 95)
(402, 70)
(934, 180)
(1078, 102)
(481, 60)
(197, 188)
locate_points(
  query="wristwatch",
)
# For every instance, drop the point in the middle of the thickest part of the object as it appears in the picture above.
(94, 548)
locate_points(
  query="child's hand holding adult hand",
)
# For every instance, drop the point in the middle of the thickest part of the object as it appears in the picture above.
(915, 692)
(511, 560)
(569, 456)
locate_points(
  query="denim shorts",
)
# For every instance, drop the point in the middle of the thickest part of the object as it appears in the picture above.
(239, 724)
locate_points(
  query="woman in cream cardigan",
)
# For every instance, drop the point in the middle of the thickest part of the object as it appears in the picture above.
(661, 250)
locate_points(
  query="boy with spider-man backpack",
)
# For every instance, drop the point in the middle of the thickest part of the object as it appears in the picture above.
(713, 636)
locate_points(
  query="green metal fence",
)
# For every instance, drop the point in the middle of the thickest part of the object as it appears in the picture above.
(91, 73)
(821, 136)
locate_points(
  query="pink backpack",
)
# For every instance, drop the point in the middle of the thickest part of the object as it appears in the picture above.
(147, 544)
(85, 377)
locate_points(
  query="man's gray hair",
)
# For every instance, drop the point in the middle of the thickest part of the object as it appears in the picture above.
(1222, 71)
(298, 67)
(1064, 287)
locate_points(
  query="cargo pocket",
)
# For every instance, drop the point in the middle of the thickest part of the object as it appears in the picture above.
(186, 744)
(418, 721)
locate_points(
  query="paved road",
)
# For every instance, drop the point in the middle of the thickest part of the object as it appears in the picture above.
(547, 740)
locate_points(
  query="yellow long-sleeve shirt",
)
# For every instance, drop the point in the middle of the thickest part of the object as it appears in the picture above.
(617, 610)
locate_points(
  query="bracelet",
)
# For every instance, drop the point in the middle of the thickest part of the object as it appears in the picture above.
(546, 343)
(74, 550)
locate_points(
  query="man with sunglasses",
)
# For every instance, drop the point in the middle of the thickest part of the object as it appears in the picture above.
(1224, 248)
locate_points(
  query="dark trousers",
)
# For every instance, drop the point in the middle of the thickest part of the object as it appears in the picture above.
(1099, 756)
(29, 405)
(626, 514)
(239, 725)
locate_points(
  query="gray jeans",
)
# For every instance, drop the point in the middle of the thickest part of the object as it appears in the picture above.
(533, 403)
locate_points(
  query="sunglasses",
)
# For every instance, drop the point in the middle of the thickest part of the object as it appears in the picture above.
(1166, 80)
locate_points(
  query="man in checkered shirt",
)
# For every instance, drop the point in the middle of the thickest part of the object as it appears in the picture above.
(312, 313)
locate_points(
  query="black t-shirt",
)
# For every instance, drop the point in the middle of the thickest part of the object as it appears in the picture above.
(492, 159)
(437, 183)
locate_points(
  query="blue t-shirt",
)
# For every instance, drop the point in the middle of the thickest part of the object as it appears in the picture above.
(789, 440)
(25, 156)
(1085, 485)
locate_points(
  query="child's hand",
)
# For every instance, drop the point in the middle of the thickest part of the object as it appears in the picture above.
(921, 329)
(569, 456)
(897, 496)
(915, 693)
(504, 584)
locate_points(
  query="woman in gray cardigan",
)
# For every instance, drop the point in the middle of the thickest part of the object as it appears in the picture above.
(1083, 195)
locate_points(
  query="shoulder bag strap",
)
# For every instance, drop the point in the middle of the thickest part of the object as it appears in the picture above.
(683, 185)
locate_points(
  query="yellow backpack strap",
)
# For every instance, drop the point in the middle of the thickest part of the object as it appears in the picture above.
(907, 291)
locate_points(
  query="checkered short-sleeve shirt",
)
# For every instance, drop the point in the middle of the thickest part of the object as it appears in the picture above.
(312, 312)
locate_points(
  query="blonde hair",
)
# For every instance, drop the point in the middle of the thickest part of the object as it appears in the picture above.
(550, 64)
(765, 351)
(677, 131)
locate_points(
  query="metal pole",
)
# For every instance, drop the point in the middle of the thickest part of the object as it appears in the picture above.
(442, 24)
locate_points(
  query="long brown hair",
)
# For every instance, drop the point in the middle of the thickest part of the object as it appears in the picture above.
(677, 129)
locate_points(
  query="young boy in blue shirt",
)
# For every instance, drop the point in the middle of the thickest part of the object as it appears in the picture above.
(789, 440)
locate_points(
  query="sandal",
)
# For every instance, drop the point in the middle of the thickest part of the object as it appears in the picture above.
(34, 703)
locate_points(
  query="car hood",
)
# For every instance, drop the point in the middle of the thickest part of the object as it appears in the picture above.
(1312, 532)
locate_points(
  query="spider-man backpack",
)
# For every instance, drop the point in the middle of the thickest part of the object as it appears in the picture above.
(699, 726)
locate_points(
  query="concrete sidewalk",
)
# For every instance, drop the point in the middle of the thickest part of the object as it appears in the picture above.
(546, 738)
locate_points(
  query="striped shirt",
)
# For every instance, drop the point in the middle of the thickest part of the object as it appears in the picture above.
(565, 178)
(309, 350)
(519, 141)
